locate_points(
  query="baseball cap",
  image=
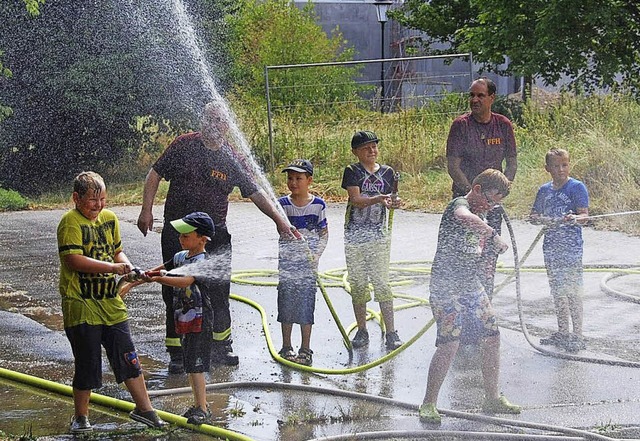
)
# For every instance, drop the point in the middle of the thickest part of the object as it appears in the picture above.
(363, 137)
(300, 166)
(197, 221)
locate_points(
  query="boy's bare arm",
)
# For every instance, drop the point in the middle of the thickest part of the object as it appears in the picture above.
(580, 216)
(323, 239)
(85, 264)
(475, 223)
(121, 257)
(537, 218)
(175, 281)
(362, 200)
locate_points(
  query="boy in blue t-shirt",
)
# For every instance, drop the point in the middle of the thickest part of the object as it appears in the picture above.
(561, 205)
(298, 260)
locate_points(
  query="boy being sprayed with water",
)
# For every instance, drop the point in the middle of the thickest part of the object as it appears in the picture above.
(298, 260)
(91, 255)
(458, 300)
(562, 205)
(193, 306)
(366, 239)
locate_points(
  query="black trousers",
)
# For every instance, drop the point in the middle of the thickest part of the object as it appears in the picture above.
(489, 257)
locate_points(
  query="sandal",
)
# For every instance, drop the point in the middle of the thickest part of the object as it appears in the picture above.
(305, 357)
(287, 353)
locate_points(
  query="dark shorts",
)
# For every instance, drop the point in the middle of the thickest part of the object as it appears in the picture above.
(197, 351)
(87, 342)
(467, 318)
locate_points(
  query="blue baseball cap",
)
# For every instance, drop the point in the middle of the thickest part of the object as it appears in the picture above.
(197, 221)
(300, 166)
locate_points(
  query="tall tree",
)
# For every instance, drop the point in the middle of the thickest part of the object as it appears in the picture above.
(83, 74)
(591, 43)
(276, 32)
(33, 9)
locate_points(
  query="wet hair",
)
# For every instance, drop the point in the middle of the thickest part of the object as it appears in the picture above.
(87, 181)
(492, 179)
(555, 153)
(491, 86)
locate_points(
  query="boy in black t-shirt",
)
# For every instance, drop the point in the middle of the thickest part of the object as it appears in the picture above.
(366, 240)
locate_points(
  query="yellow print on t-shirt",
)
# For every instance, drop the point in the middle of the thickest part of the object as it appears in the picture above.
(218, 175)
(97, 241)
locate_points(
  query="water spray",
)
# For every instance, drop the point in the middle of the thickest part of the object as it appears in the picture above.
(394, 187)
(240, 147)
(620, 213)
(323, 290)
(394, 199)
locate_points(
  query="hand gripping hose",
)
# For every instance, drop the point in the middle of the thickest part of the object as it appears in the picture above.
(516, 274)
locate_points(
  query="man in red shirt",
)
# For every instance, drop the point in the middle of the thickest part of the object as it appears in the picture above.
(479, 140)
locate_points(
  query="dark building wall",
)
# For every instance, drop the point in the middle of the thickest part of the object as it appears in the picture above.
(357, 20)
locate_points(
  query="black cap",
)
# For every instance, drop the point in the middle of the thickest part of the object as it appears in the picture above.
(197, 221)
(300, 166)
(363, 137)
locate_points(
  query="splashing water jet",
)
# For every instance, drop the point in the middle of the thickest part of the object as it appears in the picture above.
(239, 143)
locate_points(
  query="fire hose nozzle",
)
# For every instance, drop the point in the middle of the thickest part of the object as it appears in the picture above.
(158, 273)
(134, 275)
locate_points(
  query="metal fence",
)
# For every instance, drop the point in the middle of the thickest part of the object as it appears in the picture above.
(407, 83)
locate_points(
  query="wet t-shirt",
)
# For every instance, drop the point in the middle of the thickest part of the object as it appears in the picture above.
(192, 305)
(367, 223)
(201, 179)
(480, 146)
(89, 298)
(562, 242)
(454, 268)
(311, 221)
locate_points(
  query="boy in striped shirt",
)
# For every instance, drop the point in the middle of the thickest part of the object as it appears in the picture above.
(298, 259)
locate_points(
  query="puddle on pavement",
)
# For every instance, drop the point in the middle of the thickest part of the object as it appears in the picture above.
(270, 414)
(21, 303)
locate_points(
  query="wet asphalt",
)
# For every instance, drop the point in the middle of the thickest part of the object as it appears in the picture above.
(553, 391)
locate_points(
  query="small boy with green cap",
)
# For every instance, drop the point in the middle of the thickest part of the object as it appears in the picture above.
(193, 305)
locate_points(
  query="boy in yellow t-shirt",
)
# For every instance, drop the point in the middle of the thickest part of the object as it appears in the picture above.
(91, 254)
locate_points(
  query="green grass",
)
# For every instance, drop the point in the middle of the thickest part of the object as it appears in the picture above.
(11, 200)
(602, 134)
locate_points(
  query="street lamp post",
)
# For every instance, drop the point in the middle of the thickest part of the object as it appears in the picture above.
(382, 6)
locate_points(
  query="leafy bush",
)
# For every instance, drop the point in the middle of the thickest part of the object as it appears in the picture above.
(11, 200)
(276, 32)
(512, 108)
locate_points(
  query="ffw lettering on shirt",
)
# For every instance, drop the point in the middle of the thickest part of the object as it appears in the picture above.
(218, 175)
(494, 141)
